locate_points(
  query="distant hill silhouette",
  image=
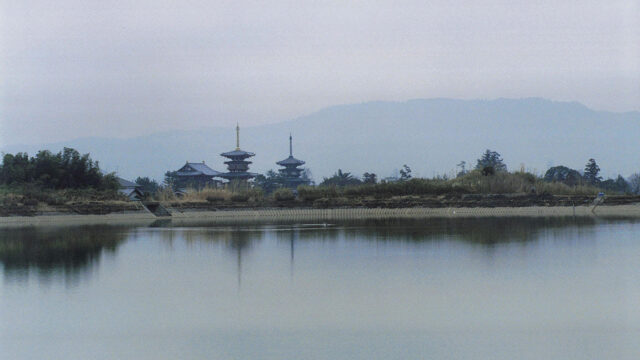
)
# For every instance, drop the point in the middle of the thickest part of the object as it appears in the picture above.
(429, 135)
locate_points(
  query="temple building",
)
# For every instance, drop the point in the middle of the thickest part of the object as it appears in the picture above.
(237, 165)
(196, 175)
(292, 172)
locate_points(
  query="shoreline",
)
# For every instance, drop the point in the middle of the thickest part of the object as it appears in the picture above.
(320, 215)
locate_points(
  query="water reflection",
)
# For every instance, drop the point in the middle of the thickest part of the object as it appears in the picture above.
(482, 231)
(236, 239)
(72, 250)
(48, 251)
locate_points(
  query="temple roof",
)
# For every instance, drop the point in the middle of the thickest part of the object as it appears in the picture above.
(236, 152)
(126, 183)
(290, 161)
(195, 169)
(243, 174)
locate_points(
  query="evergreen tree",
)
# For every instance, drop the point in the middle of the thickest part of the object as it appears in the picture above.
(405, 173)
(591, 171)
(564, 175)
(147, 185)
(270, 181)
(618, 185)
(491, 159)
(634, 183)
(66, 169)
(307, 176)
(341, 179)
(463, 168)
(369, 178)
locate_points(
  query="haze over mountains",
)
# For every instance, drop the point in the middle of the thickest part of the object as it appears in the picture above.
(429, 135)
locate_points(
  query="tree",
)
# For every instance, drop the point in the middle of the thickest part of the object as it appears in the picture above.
(618, 185)
(463, 168)
(270, 181)
(591, 171)
(66, 169)
(563, 175)
(405, 173)
(307, 175)
(491, 159)
(147, 185)
(634, 183)
(171, 180)
(369, 178)
(341, 179)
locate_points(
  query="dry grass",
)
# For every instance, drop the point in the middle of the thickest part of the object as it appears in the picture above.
(32, 195)
(207, 194)
(211, 195)
(557, 188)
(500, 183)
(165, 194)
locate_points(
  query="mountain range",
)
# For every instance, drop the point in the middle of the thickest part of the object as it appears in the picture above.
(429, 135)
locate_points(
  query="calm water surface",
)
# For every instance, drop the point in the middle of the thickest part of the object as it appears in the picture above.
(435, 289)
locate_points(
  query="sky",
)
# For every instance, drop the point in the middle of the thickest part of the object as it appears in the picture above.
(72, 69)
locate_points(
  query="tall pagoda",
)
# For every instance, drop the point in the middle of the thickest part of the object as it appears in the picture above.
(291, 172)
(237, 165)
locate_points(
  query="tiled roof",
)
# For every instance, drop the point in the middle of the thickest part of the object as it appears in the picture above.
(198, 169)
(126, 183)
(244, 174)
(290, 161)
(238, 153)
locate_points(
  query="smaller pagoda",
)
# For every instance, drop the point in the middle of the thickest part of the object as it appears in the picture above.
(292, 172)
(238, 165)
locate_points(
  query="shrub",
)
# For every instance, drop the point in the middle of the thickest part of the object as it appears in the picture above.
(311, 193)
(488, 171)
(164, 194)
(255, 194)
(56, 199)
(240, 197)
(284, 195)
(215, 198)
(30, 202)
(559, 188)
(321, 203)
(203, 194)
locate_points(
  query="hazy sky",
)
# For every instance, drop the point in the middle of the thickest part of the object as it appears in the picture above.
(123, 68)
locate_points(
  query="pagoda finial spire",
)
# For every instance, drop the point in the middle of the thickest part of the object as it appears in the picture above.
(237, 136)
(290, 145)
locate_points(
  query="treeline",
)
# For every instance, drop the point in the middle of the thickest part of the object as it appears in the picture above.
(67, 169)
(489, 175)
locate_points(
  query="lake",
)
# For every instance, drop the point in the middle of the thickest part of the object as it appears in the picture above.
(493, 288)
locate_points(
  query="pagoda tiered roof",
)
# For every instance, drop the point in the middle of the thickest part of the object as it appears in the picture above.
(237, 165)
(290, 161)
(237, 153)
(291, 171)
(238, 175)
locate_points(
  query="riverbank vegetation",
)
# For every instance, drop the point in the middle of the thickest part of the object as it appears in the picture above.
(54, 179)
(489, 176)
(69, 177)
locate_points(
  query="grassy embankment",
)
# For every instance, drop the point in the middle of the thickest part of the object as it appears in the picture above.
(472, 190)
(27, 200)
